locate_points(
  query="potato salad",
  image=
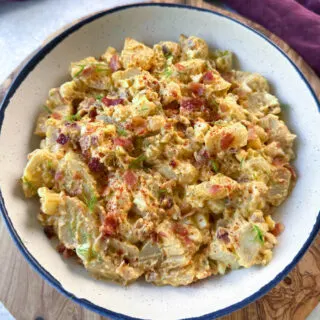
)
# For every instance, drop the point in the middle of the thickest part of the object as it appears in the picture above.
(162, 163)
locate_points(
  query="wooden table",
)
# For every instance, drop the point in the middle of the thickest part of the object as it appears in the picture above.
(27, 296)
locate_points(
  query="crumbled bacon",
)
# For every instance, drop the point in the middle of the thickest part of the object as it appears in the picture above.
(154, 237)
(278, 229)
(130, 178)
(226, 141)
(179, 229)
(179, 66)
(278, 161)
(62, 139)
(114, 63)
(93, 113)
(208, 77)
(215, 189)
(87, 71)
(66, 253)
(192, 104)
(173, 163)
(110, 225)
(292, 171)
(56, 115)
(49, 231)
(197, 88)
(95, 165)
(123, 142)
(112, 102)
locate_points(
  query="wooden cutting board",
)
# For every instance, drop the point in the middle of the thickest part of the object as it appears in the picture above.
(27, 296)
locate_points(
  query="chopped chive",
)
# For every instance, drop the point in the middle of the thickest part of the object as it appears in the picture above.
(167, 72)
(121, 132)
(49, 163)
(162, 191)
(215, 166)
(91, 202)
(242, 162)
(82, 66)
(46, 108)
(29, 184)
(138, 162)
(259, 235)
(99, 97)
(73, 117)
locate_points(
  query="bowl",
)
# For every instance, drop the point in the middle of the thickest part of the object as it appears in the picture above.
(151, 23)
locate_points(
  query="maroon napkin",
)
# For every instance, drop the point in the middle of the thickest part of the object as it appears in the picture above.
(289, 20)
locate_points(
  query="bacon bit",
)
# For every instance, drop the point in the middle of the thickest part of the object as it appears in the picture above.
(123, 142)
(278, 229)
(173, 163)
(61, 248)
(114, 63)
(180, 229)
(223, 235)
(110, 225)
(112, 102)
(93, 113)
(179, 66)
(62, 139)
(278, 161)
(252, 134)
(87, 71)
(66, 253)
(162, 234)
(95, 165)
(49, 231)
(56, 115)
(215, 189)
(292, 171)
(168, 125)
(130, 178)
(120, 252)
(58, 176)
(154, 237)
(226, 141)
(208, 77)
(197, 88)
(192, 104)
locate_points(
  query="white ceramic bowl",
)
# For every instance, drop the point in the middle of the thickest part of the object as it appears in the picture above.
(152, 23)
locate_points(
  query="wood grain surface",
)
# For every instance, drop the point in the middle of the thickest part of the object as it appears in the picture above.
(27, 296)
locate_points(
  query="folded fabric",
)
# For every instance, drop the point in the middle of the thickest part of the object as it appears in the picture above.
(289, 20)
(313, 5)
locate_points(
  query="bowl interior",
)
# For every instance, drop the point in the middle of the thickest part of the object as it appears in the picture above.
(152, 24)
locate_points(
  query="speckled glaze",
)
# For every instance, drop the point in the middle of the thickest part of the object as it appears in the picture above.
(48, 68)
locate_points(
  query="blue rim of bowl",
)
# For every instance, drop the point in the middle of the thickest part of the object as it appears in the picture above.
(30, 65)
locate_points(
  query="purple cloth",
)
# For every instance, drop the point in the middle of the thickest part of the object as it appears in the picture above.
(289, 20)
